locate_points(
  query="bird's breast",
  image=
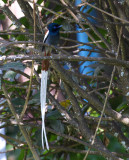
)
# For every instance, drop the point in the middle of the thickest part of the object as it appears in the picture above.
(52, 40)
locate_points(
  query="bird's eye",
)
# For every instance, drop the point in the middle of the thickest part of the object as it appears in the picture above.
(55, 27)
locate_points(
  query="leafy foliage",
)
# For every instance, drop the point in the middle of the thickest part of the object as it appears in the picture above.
(74, 100)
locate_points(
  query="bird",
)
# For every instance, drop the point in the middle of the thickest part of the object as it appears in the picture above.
(51, 38)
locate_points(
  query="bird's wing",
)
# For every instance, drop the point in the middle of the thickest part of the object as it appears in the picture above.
(45, 38)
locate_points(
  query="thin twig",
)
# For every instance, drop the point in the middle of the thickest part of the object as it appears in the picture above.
(123, 20)
(61, 57)
(107, 95)
(32, 68)
(23, 130)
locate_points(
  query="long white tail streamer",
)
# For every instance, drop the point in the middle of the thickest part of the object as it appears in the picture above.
(43, 92)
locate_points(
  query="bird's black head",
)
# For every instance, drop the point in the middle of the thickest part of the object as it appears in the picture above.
(54, 28)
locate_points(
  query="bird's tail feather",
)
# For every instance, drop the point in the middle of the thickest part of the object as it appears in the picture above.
(44, 75)
(45, 65)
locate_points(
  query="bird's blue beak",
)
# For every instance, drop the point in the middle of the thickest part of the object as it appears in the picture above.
(60, 26)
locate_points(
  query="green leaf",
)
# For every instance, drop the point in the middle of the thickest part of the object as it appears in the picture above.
(76, 156)
(94, 114)
(95, 157)
(3, 49)
(2, 16)
(25, 22)
(39, 1)
(53, 115)
(5, 1)
(4, 37)
(18, 101)
(35, 99)
(115, 146)
(21, 156)
(57, 125)
(10, 75)
(21, 38)
(103, 33)
(122, 106)
(116, 101)
(11, 2)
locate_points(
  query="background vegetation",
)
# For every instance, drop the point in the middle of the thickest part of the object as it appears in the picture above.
(87, 115)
